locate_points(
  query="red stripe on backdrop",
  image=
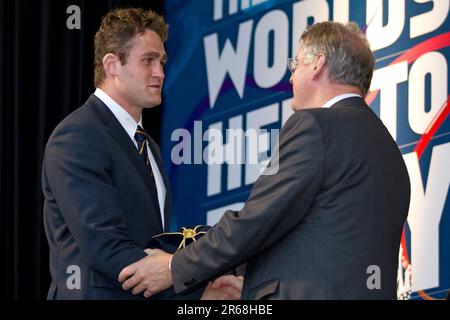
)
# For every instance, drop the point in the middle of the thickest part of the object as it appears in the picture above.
(432, 128)
(435, 43)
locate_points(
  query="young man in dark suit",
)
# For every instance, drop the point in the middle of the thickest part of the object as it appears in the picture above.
(328, 224)
(106, 191)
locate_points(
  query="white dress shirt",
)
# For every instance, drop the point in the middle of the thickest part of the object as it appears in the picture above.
(336, 99)
(130, 126)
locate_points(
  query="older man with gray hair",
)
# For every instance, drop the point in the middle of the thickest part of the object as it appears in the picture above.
(328, 224)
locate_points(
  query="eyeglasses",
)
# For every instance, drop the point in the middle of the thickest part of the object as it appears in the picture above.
(292, 64)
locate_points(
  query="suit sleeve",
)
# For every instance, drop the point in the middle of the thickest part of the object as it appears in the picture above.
(78, 169)
(277, 203)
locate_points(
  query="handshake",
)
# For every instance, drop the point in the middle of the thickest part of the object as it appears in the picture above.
(152, 274)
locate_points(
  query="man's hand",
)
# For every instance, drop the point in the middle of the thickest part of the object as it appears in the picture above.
(227, 287)
(149, 275)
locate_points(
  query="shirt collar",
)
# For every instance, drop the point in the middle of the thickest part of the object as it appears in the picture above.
(336, 99)
(125, 119)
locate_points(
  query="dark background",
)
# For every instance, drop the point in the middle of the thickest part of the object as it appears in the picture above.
(45, 73)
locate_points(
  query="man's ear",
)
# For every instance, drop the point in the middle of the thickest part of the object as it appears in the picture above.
(110, 64)
(319, 65)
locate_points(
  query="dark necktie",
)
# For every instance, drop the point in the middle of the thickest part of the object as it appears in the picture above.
(141, 137)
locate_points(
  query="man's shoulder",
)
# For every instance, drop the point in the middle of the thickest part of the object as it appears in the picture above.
(305, 118)
(84, 121)
(300, 123)
(343, 112)
(329, 121)
(81, 118)
(322, 115)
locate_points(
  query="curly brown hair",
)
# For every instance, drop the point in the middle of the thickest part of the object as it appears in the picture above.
(116, 32)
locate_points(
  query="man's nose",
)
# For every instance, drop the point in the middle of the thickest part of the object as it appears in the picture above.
(158, 71)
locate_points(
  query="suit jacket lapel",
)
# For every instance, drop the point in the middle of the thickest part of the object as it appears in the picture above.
(119, 134)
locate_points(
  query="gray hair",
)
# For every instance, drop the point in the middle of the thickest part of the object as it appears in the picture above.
(349, 58)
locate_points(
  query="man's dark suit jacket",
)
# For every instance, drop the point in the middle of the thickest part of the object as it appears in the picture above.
(314, 230)
(99, 212)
